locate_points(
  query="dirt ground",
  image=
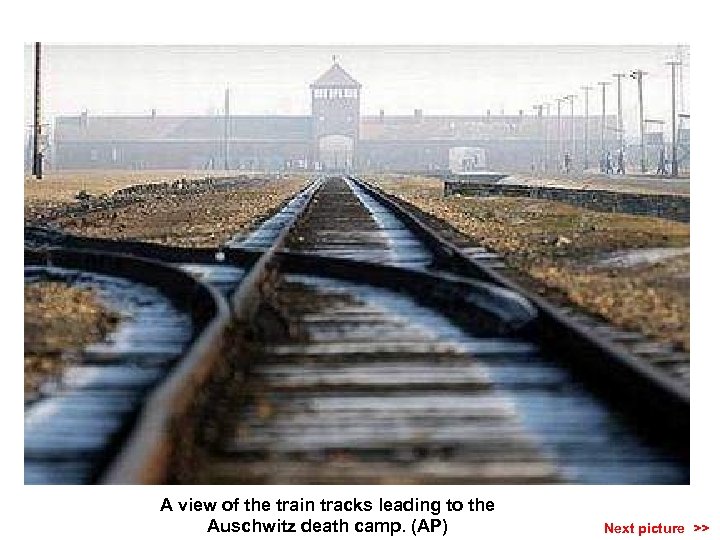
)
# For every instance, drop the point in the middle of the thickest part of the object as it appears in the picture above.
(58, 187)
(206, 218)
(59, 319)
(561, 251)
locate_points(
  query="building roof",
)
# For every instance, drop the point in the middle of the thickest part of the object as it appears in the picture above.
(335, 77)
(466, 127)
(386, 128)
(175, 128)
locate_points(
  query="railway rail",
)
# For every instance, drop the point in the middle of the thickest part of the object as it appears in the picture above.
(364, 348)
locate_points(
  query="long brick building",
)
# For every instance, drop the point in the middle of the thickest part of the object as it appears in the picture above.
(335, 136)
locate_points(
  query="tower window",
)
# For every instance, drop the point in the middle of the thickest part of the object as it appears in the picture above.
(335, 93)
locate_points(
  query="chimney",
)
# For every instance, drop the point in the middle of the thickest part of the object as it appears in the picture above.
(521, 113)
(153, 114)
(488, 112)
(84, 119)
(382, 115)
(418, 114)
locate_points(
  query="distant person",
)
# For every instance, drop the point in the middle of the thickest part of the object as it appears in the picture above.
(568, 161)
(608, 168)
(662, 163)
(620, 163)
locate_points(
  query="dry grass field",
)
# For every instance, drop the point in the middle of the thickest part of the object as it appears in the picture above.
(193, 220)
(575, 255)
(60, 319)
(58, 187)
(206, 218)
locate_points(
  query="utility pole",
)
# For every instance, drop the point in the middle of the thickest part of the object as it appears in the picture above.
(673, 65)
(37, 127)
(587, 117)
(559, 132)
(619, 77)
(226, 149)
(603, 84)
(571, 99)
(539, 109)
(546, 128)
(638, 74)
(680, 57)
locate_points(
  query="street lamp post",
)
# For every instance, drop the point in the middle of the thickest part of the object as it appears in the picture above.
(559, 133)
(539, 109)
(603, 84)
(226, 138)
(571, 99)
(585, 138)
(546, 129)
(619, 77)
(673, 65)
(638, 74)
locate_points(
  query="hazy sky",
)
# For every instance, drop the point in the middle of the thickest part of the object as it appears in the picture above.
(190, 79)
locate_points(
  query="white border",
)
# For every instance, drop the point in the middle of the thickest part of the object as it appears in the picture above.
(522, 512)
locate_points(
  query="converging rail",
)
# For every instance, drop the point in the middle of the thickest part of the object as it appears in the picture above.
(73, 428)
(363, 348)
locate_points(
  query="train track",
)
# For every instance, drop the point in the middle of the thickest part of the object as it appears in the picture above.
(365, 349)
(488, 265)
(75, 424)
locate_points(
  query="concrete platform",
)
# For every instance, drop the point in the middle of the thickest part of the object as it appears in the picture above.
(629, 183)
(628, 201)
